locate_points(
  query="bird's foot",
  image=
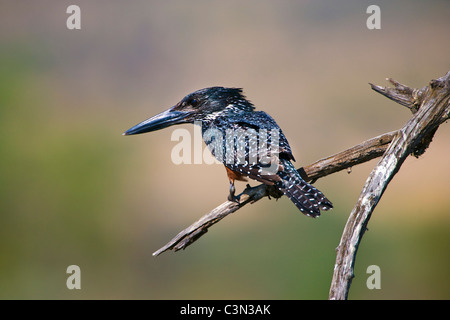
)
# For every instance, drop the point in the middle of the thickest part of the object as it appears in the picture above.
(236, 199)
(231, 196)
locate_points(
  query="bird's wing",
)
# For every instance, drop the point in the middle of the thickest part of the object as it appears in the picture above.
(260, 147)
(260, 121)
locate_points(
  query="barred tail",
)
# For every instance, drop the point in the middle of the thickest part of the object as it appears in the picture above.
(306, 197)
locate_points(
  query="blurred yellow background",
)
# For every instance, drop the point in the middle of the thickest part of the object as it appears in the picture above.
(75, 191)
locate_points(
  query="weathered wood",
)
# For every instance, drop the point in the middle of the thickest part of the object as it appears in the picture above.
(408, 97)
(417, 133)
(199, 228)
(363, 152)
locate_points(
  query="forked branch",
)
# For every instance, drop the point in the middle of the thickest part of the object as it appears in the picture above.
(430, 108)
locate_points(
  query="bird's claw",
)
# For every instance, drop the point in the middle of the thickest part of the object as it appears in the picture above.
(231, 196)
(234, 198)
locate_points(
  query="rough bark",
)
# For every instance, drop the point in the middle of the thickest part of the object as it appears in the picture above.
(430, 107)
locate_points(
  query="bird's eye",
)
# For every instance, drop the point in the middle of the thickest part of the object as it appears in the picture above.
(193, 102)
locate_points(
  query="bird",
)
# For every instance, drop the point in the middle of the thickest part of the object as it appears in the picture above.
(249, 143)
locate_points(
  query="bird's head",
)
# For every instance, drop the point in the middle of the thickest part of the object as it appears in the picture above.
(201, 105)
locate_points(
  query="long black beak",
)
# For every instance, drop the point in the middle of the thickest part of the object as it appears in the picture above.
(160, 121)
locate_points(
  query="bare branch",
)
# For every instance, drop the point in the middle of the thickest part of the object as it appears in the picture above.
(410, 98)
(199, 228)
(363, 152)
(416, 133)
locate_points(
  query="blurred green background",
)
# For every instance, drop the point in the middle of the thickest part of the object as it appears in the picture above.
(75, 191)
